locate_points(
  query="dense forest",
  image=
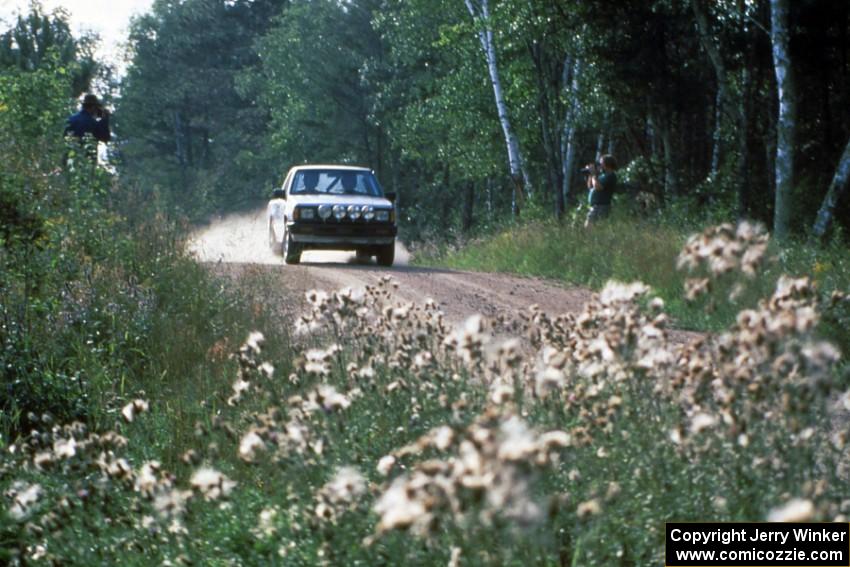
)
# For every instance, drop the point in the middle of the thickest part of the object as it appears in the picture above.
(475, 110)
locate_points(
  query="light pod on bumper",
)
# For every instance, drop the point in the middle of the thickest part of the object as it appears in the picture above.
(339, 212)
(353, 212)
(325, 212)
(368, 212)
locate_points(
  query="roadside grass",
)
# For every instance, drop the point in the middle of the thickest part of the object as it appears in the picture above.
(626, 248)
(380, 435)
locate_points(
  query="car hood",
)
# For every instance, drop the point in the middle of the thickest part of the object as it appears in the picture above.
(339, 200)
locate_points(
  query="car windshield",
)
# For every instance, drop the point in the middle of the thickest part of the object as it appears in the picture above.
(335, 182)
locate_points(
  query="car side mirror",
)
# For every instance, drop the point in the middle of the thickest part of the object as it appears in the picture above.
(278, 194)
(391, 195)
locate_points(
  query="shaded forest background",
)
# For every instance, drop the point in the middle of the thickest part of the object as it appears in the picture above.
(222, 97)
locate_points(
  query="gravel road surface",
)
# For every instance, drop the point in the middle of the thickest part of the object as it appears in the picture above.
(236, 245)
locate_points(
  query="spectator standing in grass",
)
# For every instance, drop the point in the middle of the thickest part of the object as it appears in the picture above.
(602, 182)
(91, 119)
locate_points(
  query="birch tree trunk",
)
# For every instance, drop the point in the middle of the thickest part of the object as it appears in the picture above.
(838, 187)
(786, 119)
(480, 12)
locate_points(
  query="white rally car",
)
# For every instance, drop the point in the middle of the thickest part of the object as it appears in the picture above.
(332, 207)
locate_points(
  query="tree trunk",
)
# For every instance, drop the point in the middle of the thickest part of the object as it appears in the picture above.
(550, 142)
(716, 137)
(467, 219)
(603, 132)
(722, 81)
(481, 14)
(662, 126)
(837, 189)
(786, 120)
(671, 180)
(743, 169)
(568, 144)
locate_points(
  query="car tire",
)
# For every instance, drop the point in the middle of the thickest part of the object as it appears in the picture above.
(386, 254)
(291, 251)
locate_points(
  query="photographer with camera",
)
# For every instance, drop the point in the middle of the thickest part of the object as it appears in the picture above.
(91, 119)
(602, 182)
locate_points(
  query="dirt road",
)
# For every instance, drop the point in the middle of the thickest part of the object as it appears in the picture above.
(236, 245)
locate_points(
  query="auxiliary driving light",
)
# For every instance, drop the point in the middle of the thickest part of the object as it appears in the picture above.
(353, 212)
(368, 212)
(339, 212)
(325, 212)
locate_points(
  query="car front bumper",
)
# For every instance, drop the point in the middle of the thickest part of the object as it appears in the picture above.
(341, 236)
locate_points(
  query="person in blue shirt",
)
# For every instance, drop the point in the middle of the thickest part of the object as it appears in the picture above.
(91, 119)
(602, 182)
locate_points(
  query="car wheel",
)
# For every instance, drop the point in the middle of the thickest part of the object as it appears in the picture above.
(291, 250)
(386, 254)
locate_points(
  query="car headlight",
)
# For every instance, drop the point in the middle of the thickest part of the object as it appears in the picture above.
(382, 215)
(339, 212)
(325, 212)
(305, 213)
(368, 212)
(353, 212)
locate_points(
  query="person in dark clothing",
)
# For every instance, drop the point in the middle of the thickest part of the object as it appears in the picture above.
(91, 119)
(602, 182)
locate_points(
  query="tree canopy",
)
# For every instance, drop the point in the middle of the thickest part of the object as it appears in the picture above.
(223, 96)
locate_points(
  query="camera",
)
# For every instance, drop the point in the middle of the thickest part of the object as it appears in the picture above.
(589, 169)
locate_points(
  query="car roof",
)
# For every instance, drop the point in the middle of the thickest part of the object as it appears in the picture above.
(330, 166)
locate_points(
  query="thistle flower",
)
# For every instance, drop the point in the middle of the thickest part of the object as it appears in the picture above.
(617, 292)
(240, 386)
(795, 510)
(146, 479)
(399, 509)
(340, 493)
(254, 343)
(170, 503)
(211, 483)
(131, 410)
(24, 497)
(266, 525)
(65, 448)
(385, 465)
(250, 443)
(588, 509)
(702, 421)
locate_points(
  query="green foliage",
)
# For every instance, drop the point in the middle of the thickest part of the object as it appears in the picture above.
(94, 285)
(195, 131)
(39, 40)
